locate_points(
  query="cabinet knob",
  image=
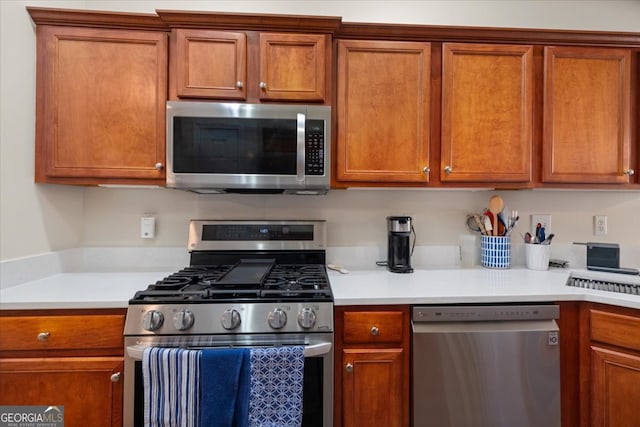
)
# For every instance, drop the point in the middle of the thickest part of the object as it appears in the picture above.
(375, 331)
(43, 336)
(447, 170)
(239, 84)
(349, 367)
(159, 166)
(115, 377)
(426, 170)
(263, 85)
(629, 172)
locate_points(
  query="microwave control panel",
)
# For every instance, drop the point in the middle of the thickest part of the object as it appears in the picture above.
(314, 153)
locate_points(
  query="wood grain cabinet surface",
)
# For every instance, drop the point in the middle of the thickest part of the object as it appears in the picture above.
(587, 112)
(612, 386)
(70, 358)
(100, 105)
(229, 65)
(383, 112)
(487, 113)
(372, 366)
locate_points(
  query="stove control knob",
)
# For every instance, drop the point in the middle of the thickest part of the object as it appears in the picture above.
(183, 320)
(230, 319)
(152, 320)
(277, 318)
(307, 318)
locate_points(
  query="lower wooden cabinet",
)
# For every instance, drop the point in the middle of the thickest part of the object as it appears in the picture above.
(614, 374)
(615, 388)
(70, 358)
(372, 366)
(89, 388)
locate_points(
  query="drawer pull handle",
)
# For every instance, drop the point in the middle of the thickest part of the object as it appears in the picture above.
(43, 336)
(349, 367)
(115, 377)
(375, 331)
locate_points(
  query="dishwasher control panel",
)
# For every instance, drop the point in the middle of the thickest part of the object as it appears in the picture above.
(484, 313)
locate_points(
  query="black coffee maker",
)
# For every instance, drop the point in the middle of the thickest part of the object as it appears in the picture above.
(399, 246)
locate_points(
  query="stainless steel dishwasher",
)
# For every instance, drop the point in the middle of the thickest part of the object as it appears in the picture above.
(486, 366)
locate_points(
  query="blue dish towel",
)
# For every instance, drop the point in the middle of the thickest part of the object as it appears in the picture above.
(276, 384)
(224, 388)
(170, 378)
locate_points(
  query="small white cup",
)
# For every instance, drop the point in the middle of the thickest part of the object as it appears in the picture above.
(537, 256)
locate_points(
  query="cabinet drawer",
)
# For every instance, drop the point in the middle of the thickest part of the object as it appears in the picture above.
(615, 329)
(372, 327)
(62, 332)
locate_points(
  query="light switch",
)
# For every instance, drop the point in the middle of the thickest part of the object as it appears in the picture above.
(148, 227)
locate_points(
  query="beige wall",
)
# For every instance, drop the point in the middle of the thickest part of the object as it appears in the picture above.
(39, 218)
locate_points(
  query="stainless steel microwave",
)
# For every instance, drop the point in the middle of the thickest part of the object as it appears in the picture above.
(248, 148)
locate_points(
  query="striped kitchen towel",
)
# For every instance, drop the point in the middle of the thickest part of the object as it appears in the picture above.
(275, 386)
(171, 384)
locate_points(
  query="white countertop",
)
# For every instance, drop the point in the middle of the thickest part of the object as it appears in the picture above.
(473, 285)
(370, 286)
(77, 290)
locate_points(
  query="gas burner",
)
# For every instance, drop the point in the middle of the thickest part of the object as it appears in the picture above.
(172, 282)
(247, 261)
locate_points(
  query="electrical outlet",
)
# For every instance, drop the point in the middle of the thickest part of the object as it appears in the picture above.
(147, 227)
(600, 225)
(544, 220)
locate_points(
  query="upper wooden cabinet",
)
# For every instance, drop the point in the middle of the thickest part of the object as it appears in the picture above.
(487, 106)
(383, 111)
(210, 64)
(100, 105)
(587, 110)
(215, 64)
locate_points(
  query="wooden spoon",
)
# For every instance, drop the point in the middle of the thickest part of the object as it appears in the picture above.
(495, 207)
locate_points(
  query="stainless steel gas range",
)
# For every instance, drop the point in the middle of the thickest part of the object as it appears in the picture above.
(249, 284)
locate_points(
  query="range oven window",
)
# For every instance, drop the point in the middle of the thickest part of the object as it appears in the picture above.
(234, 145)
(312, 401)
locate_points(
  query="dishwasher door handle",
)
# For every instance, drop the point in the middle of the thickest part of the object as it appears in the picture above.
(494, 326)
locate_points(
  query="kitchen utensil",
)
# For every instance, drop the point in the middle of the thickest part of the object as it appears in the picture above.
(502, 225)
(547, 241)
(483, 230)
(495, 207)
(338, 268)
(488, 222)
(472, 224)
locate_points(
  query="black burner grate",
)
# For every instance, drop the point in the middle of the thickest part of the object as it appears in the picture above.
(205, 283)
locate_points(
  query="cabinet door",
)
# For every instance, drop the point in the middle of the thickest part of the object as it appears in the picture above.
(372, 388)
(383, 111)
(614, 388)
(90, 389)
(487, 97)
(100, 105)
(586, 135)
(292, 67)
(210, 64)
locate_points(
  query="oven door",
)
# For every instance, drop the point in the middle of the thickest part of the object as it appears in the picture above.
(317, 408)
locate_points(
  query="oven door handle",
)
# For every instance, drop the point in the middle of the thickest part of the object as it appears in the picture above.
(135, 351)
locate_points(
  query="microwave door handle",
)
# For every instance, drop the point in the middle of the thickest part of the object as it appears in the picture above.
(301, 146)
(135, 351)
